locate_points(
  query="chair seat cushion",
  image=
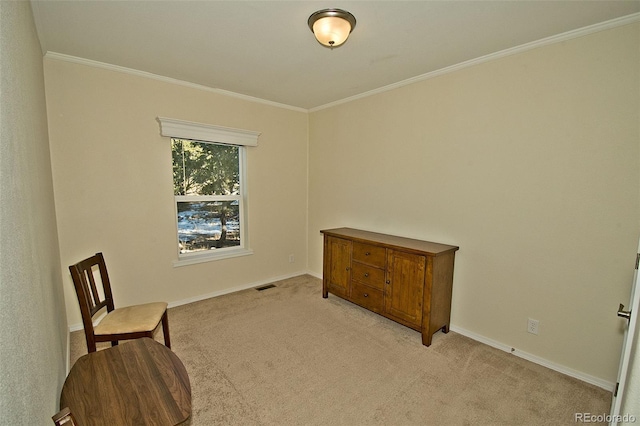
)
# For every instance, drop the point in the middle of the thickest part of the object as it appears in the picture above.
(132, 319)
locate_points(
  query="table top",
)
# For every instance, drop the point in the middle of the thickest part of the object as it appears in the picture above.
(424, 247)
(140, 382)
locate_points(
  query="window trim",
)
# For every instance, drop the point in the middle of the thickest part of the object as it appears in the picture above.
(180, 129)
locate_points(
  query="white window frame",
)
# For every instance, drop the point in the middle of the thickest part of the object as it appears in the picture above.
(180, 129)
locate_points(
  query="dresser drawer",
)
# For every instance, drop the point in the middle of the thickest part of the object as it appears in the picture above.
(367, 297)
(369, 254)
(369, 275)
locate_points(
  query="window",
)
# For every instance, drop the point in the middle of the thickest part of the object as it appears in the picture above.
(209, 199)
(209, 189)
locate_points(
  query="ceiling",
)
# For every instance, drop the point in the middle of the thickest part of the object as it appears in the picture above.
(264, 49)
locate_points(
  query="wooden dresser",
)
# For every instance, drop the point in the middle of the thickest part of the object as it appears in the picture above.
(408, 281)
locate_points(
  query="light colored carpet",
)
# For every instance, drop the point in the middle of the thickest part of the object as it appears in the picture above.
(286, 356)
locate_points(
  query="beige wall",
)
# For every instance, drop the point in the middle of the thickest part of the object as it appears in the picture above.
(113, 183)
(33, 327)
(529, 163)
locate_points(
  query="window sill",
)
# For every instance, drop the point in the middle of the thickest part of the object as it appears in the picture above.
(211, 256)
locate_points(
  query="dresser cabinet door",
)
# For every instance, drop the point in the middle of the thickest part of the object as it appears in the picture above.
(405, 285)
(338, 253)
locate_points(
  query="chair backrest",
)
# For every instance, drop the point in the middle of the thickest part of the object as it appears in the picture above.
(64, 418)
(93, 288)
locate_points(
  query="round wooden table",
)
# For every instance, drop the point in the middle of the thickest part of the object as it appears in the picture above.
(140, 382)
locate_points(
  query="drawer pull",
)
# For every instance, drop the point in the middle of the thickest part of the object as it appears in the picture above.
(366, 295)
(367, 254)
(366, 275)
(388, 281)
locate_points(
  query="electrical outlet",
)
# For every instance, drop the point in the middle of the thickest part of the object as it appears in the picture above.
(532, 326)
(291, 258)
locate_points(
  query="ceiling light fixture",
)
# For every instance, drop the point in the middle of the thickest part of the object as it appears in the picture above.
(331, 26)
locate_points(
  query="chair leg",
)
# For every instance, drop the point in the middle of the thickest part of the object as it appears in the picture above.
(91, 343)
(165, 330)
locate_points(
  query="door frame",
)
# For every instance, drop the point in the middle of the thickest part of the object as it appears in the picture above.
(627, 345)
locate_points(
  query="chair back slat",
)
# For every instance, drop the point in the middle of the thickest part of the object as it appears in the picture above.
(91, 296)
(96, 297)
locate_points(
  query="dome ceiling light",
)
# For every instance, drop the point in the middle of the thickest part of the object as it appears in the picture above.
(331, 26)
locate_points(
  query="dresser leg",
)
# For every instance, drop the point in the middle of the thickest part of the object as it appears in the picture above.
(426, 339)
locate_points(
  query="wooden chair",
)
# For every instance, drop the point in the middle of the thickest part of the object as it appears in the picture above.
(64, 418)
(132, 322)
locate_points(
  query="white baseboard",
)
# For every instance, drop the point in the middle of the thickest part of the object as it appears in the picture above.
(604, 384)
(77, 327)
(234, 289)
(313, 274)
(596, 381)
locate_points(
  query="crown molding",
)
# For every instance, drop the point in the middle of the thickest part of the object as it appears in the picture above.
(581, 32)
(144, 74)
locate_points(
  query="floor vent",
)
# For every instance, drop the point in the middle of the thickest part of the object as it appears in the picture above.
(265, 287)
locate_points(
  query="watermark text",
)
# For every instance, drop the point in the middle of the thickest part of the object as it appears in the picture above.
(602, 418)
